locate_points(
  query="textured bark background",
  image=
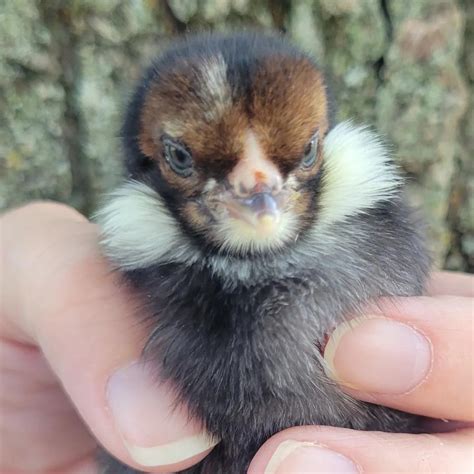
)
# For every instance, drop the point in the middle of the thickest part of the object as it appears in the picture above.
(404, 66)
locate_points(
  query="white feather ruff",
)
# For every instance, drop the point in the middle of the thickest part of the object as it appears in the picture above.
(358, 173)
(138, 230)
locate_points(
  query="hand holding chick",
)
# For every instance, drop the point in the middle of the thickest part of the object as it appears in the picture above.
(56, 285)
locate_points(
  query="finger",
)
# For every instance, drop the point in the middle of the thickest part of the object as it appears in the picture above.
(415, 354)
(451, 283)
(33, 411)
(313, 449)
(61, 296)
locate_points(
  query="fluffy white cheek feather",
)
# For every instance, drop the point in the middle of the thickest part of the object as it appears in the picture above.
(358, 173)
(137, 229)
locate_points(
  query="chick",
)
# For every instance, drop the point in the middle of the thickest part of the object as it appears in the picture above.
(253, 226)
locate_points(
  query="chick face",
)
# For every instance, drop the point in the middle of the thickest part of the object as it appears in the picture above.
(230, 132)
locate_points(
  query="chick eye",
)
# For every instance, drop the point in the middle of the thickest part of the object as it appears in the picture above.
(179, 159)
(310, 152)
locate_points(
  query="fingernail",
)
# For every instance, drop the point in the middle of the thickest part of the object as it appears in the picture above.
(299, 457)
(155, 431)
(378, 355)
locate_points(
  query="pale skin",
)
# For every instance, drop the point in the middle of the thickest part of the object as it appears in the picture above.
(66, 326)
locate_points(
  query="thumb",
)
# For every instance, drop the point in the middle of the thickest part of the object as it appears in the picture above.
(60, 296)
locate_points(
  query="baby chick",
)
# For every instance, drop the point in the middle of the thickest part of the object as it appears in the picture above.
(253, 226)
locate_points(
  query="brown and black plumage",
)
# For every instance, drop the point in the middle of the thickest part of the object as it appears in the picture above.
(253, 225)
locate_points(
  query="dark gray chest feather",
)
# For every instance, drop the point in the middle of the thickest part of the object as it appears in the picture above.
(243, 344)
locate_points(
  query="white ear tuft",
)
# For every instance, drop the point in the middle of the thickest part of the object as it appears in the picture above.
(358, 173)
(137, 228)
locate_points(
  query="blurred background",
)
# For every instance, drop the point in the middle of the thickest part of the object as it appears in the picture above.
(405, 66)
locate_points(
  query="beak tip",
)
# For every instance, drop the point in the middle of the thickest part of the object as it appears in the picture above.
(268, 222)
(269, 219)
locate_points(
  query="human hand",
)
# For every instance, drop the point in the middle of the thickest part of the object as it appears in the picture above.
(69, 340)
(67, 327)
(416, 355)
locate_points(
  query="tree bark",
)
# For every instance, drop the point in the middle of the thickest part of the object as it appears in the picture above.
(67, 69)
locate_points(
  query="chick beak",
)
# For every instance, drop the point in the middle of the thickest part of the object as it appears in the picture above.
(261, 211)
(259, 208)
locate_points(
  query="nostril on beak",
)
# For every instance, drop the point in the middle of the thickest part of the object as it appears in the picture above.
(259, 188)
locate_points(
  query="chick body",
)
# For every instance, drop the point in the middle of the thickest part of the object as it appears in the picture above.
(238, 321)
